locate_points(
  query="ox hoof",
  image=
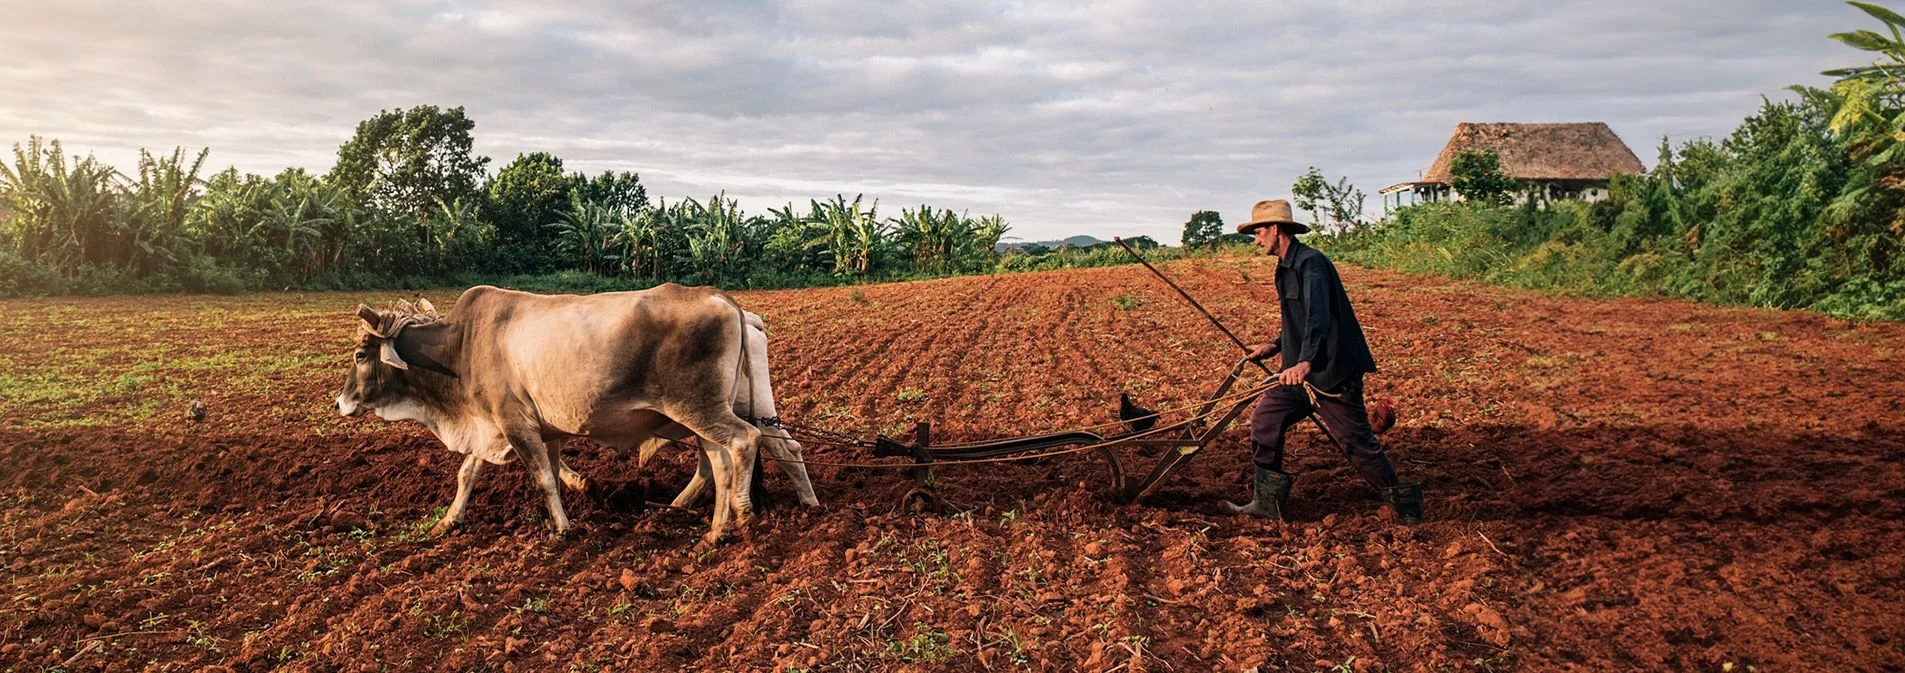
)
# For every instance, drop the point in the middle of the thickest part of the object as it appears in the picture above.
(575, 482)
(443, 528)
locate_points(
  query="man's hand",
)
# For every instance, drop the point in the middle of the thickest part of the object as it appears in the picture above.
(1265, 351)
(1294, 375)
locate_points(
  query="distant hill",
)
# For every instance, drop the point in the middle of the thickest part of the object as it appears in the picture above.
(1079, 241)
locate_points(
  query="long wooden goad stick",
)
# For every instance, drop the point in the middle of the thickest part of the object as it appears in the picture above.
(1193, 301)
(1220, 325)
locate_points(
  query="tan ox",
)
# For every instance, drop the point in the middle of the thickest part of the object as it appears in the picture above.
(511, 374)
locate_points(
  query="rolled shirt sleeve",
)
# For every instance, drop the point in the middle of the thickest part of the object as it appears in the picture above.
(1316, 311)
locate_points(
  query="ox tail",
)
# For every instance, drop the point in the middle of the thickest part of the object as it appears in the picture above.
(740, 360)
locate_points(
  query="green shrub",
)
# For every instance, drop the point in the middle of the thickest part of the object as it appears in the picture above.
(206, 275)
(20, 277)
(1776, 215)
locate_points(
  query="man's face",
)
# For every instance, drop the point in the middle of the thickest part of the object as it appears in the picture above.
(1267, 238)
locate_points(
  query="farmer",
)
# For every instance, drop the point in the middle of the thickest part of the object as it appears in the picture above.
(1324, 359)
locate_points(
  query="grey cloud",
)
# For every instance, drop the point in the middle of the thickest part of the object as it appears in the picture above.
(1110, 118)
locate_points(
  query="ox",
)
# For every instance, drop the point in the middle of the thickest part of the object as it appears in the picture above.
(509, 375)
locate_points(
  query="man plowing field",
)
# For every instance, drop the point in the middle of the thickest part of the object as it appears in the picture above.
(1324, 359)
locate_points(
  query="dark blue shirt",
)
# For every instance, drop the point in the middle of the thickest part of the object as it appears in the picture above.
(1319, 326)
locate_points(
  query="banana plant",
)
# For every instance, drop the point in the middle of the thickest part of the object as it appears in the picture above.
(795, 241)
(161, 202)
(227, 218)
(1869, 112)
(59, 215)
(857, 238)
(934, 237)
(588, 231)
(982, 246)
(641, 241)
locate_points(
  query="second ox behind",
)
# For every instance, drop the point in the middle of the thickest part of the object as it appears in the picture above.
(509, 375)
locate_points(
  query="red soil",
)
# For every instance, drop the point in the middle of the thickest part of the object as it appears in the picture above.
(1611, 485)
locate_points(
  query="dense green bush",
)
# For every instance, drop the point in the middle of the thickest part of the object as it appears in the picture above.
(1802, 206)
(407, 207)
(1747, 220)
(22, 277)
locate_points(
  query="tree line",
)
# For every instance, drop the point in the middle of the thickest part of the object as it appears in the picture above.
(409, 204)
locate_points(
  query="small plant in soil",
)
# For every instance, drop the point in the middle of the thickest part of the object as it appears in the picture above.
(927, 646)
(538, 605)
(1011, 639)
(910, 395)
(1506, 660)
(421, 529)
(444, 626)
(1034, 572)
(197, 637)
(928, 560)
(1126, 302)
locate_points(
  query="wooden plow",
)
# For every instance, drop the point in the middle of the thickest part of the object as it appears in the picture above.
(1139, 427)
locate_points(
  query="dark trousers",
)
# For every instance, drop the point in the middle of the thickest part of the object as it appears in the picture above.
(1342, 413)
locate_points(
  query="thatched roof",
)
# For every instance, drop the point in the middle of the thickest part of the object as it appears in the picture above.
(1571, 151)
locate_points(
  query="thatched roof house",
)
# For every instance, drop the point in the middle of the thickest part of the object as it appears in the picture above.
(1565, 160)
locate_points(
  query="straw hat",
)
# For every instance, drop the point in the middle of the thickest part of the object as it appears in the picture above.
(1273, 211)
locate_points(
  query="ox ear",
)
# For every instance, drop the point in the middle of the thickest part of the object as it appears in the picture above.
(388, 353)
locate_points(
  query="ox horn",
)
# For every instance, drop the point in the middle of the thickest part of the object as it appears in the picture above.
(388, 353)
(428, 308)
(371, 319)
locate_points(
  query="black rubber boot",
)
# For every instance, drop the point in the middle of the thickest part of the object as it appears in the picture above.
(1269, 490)
(1407, 500)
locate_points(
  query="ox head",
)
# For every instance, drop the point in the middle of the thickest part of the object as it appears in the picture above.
(377, 379)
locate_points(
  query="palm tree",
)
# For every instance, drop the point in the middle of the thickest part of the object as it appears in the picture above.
(291, 221)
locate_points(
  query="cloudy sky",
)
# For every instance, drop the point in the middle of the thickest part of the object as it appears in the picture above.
(1067, 117)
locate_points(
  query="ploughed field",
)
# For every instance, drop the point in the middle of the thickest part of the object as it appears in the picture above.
(1611, 485)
